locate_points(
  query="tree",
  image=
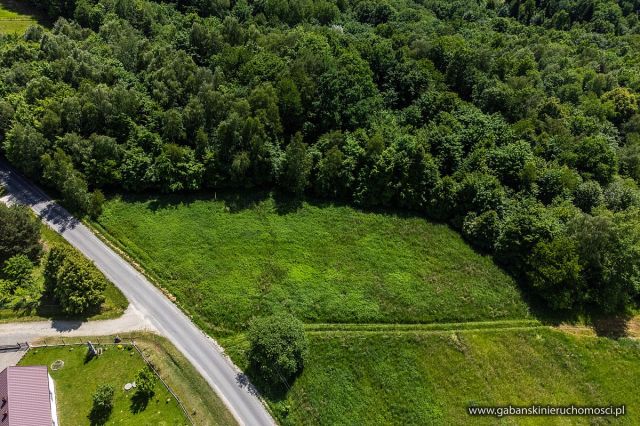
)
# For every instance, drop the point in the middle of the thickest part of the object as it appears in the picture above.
(526, 224)
(588, 196)
(23, 146)
(18, 270)
(102, 404)
(555, 273)
(596, 158)
(145, 383)
(58, 172)
(609, 249)
(73, 281)
(296, 167)
(625, 103)
(96, 202)
(19, 233)
(508, 162)
(621, 194)
(278, 347)
(347, 94)
(482, 230)
(479, 193)
(103, 167)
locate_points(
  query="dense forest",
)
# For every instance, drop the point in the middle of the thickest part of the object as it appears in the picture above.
(516, 122)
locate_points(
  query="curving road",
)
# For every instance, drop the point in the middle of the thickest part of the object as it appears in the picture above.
(201, 350)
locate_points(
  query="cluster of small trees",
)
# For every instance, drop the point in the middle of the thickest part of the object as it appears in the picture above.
(518, 123)
(70, 279)
(73, 281)
(19, 250)
(102, 404)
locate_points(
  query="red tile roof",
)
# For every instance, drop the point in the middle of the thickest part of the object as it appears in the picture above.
(26, 392)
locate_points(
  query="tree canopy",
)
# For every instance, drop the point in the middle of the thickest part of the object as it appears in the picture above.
(73, 281)
(512, 121)
(278, 347)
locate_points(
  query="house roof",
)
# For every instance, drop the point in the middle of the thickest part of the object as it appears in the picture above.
(24, 391)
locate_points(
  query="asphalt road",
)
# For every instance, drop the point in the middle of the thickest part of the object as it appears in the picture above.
(201, 350)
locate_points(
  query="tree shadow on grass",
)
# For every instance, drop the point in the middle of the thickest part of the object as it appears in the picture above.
(274, 392)
(98, 417)
(286, 203)
(234, 201)
(613, 327)
(610, 325)
(139, 402)
(46, 307)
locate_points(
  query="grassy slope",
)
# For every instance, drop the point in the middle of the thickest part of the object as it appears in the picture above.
(115, 302)
(332, 264)
(77, 380)
(16, 16)
(325, 264)
(420, 379)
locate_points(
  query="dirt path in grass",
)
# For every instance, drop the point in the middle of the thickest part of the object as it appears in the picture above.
(614, 327)
(435, 328)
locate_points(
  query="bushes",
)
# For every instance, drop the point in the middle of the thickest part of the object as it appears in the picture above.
(18, 269)
(73, 281)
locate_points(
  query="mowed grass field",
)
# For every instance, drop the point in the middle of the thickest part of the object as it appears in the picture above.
(16, 16)
(431, 378)
(238, 257)
(79, 378)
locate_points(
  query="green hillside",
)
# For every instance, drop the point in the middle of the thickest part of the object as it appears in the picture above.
(430, 379)
(229, 260)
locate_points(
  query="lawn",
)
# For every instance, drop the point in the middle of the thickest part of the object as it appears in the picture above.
(201, 402)
(16, 16)
(76, 382)
(229, 259)
(430, 378)
(114, 305)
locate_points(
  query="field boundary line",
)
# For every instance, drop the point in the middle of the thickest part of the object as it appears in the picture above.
(451, 326)
(433, 332)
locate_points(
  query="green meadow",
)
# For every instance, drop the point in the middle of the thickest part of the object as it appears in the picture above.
(406, 323)
(230, 259)
(430, 378)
